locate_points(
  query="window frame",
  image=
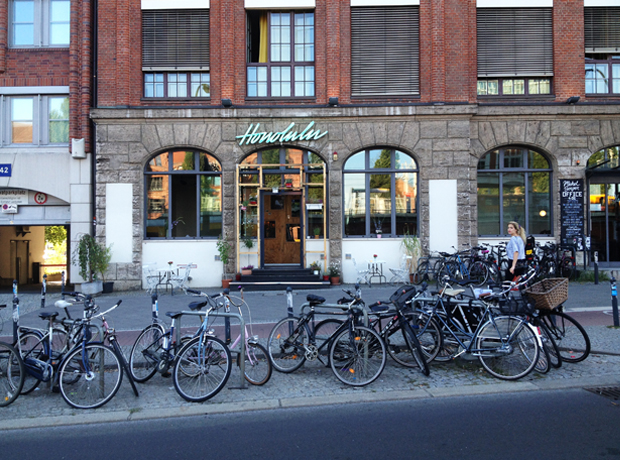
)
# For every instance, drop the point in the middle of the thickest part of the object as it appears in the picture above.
(611, 61)
(42, 25)
(501, 171)
(166, 82)
(170, 173)
(526, 85)
(270, 65)
(368, 171)
(41, 120)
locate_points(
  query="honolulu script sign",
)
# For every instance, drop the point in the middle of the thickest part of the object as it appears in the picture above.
(252, 137)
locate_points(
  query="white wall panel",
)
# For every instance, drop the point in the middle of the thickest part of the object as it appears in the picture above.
(443, 218)
(119, 218)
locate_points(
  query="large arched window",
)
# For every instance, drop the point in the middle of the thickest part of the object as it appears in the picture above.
(514, 184)
(183, 195)
(380, 194)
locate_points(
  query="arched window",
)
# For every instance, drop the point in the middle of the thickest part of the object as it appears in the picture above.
(183, 195)
(380, 194)
(514, 184)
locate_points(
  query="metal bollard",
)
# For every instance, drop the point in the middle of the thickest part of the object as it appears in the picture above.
(62, 285)
(15, 311)
(595, 267)
(289, 307)
(614, 301)
(154, 306)
(43, 290)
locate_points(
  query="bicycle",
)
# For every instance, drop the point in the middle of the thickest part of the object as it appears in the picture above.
(356, 354)
(12, 374)
(201, 364)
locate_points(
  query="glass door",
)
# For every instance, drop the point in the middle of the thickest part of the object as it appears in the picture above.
(605, 221)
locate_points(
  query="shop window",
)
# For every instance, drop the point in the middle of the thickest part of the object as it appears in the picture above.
(280, 54)
(39, 23)
(179, 40)
(380, 194)
(515, 51)
(34, 120)
(514, 184)
(183, 195)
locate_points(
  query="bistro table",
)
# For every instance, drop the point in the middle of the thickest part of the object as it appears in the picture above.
(375, 270)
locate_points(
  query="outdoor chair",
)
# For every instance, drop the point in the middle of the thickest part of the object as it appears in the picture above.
(181, 281)
(363, 274)
(401, 275)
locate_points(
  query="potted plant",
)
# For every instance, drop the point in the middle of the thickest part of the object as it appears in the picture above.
(316, 268)
(334, 272)
(288, 183)
(93, 259)
(247, 270)
(252, 200)
(224, 248)
(317, 232)
(411, 247)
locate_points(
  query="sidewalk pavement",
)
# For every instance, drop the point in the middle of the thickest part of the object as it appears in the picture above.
(313, 384)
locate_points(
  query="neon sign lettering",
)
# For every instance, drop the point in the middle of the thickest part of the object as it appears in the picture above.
(253, 136)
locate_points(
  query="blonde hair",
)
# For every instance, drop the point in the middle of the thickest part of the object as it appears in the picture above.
(520, 230)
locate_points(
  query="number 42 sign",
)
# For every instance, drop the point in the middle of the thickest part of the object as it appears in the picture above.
(5, 170)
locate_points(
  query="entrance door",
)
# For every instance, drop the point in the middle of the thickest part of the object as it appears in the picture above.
(281, 229)
(605, 221)
(20, 260)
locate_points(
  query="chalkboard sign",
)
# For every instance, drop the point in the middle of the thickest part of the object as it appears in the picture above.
(571, 212)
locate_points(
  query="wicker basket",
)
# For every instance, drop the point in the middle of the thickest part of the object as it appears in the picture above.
(549, 293)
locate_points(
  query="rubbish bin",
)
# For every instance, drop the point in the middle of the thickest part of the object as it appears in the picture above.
(36, 272)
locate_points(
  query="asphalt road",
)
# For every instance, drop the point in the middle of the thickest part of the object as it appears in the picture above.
(569, 424)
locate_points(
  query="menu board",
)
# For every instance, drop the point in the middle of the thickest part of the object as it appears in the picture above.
(571, 212)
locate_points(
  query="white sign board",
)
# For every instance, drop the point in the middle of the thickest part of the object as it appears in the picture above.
(9, 208)
(314, 206)
(13, 196)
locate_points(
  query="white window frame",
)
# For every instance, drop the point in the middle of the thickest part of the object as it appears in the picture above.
(41, 120)
(42, 26)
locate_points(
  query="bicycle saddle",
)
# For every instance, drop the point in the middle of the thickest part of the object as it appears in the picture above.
(174, 314)
(197, 305)
(315, 299)
(380, 307)
(48, 314)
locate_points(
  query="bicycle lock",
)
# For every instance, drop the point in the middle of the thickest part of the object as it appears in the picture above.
(614, 301)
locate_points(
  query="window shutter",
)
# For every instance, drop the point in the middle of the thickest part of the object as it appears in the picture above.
(385, 51)
(175, 38)
(602, 29)
(515, 42)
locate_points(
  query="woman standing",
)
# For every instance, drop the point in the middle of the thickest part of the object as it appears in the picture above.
(515, 249)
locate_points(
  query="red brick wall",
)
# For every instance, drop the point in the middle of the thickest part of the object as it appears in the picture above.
(448, 67)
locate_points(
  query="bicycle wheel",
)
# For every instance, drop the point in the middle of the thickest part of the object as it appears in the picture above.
(549, 345)
(357, 357)
(479, 273)
(543, 364)
(323, 332)
(12, 374)
(202, 368)
(567, 267)
(424, 271)
(287, 345)
(31, 347)
(507, 347)
(257, 364)
(428, 334)
(571, 338)
(90, 376)
(450, 270)
(145, 353)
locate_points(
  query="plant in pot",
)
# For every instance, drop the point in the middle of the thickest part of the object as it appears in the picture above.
(412, 248)
(93, 259)
(334, 272)
(317, 232)
(247, 270)
(316, 268)
(224, 248)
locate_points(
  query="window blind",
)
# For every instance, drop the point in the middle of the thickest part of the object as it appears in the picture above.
(602, 29)
(175, 38)
(515, 42)
(385, 51)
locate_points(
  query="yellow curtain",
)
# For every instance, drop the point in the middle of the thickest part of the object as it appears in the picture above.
(264, 38)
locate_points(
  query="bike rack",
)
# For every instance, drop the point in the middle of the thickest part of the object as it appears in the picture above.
(242, 385)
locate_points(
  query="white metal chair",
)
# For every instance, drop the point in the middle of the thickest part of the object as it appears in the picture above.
(401, 275)
(151, 276)
(363, 274)
(181, 282)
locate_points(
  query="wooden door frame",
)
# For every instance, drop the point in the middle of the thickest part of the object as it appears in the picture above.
(302, 215)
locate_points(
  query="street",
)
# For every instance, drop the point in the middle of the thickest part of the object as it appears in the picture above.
(570, 424)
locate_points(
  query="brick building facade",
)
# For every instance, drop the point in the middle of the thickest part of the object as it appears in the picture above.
(441, 128)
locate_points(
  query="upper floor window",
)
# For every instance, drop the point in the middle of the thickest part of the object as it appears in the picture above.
(280, 54)
(34, 120)
(602, 49)
(175, 53)
(514, 184)
(380, 194)
(183, 195)
(515, 51)
(385, 51)
(40, 23)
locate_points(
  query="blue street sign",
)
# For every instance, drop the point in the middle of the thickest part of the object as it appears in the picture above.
(5, 170)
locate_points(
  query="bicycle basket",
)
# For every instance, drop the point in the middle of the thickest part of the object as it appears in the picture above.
(549, 293)
(402, 295)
